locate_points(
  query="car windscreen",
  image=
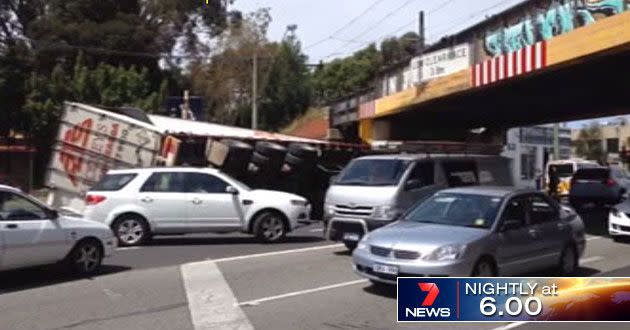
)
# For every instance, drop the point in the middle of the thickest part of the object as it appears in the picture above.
(563, 170)
(591, 174)
(456, 209)
(113, 182)
(373, 172)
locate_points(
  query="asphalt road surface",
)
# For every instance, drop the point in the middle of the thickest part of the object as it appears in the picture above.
(233, 282)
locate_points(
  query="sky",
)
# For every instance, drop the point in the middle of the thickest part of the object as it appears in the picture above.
(336, 28)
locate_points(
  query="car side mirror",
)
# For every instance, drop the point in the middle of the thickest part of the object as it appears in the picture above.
(413, 184)
(231, 190)
(53, 214)
(511, 224)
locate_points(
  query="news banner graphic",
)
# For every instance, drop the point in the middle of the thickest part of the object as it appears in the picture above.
(506, 299)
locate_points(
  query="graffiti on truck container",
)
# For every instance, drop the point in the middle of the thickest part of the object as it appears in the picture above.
(544, 24)
(74, 139)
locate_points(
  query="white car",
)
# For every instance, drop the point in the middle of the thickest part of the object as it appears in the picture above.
(619, 221)
(31, 234)
(140, 203)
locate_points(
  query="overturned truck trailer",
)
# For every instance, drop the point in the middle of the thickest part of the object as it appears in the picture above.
(92, 140)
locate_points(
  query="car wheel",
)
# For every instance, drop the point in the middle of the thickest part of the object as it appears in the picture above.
(484, 268)
(131, 230)
(269, 227)
(86, 257)
(568, 261)
(350, 245)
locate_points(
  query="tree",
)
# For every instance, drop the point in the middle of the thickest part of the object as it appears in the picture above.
(344, 76)
(588, 144)
(109, 31)
(225, 81)
(287, 90)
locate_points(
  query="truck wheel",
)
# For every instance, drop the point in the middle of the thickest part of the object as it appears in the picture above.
(270, 149)
(350, 245)
(86, 257)
(131, 230)
(303, 151)
(259, 159)
(269, 227)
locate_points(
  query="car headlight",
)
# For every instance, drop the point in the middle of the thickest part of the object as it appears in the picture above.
(362, 245)
(330, 210)
(385, 212)
(614, 211)
(299, 202)
(446, 252)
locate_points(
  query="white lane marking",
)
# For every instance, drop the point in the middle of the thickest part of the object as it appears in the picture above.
(128, 248)
(298, 293)
(211, 302)
(591, 259)
(275, 253)
(593, 238)
(510, 325)
(316, 230)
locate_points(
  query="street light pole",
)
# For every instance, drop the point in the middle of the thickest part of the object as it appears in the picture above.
(255, 92)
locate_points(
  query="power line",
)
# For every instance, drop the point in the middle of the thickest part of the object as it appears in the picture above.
(469, 17)
(388, 15)
(437, 8)
(345, 26)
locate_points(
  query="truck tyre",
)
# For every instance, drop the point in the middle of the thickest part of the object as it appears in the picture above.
(294, 160)
(302, 150)
(270, 149)
(131, 230)
(269, 227)
(259, 159)
(86, 257)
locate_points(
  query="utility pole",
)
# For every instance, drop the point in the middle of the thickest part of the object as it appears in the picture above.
(421, 40)
(556, 141)
(255, 92)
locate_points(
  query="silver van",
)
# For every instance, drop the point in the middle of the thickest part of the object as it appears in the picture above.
(373, 191)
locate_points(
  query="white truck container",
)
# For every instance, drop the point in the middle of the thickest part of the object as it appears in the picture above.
(89, 143)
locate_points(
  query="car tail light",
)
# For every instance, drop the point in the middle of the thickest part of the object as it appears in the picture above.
(94, 199)
(610, 182)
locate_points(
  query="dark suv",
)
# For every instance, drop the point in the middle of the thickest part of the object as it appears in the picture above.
(598, 186)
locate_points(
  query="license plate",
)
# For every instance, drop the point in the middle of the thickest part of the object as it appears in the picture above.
(385, 269)
(351, 237)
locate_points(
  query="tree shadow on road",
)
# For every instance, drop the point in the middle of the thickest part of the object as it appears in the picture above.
(30, 278)
(187, 240)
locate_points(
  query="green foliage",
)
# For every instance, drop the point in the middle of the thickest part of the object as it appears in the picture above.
(588, 144)
(13, 73)
(357, 72)
(344, 76)
(287, 93)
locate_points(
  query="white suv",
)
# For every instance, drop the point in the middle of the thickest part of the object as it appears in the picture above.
(140, 203)
(31, 234)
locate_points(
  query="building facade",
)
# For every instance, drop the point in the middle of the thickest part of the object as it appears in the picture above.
(530, 148)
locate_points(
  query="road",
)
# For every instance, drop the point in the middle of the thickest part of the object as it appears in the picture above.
(233, 282)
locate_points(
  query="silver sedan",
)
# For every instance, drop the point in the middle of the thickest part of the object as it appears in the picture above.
(474, 231)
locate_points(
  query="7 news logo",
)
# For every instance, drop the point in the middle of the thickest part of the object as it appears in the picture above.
(427, 310)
